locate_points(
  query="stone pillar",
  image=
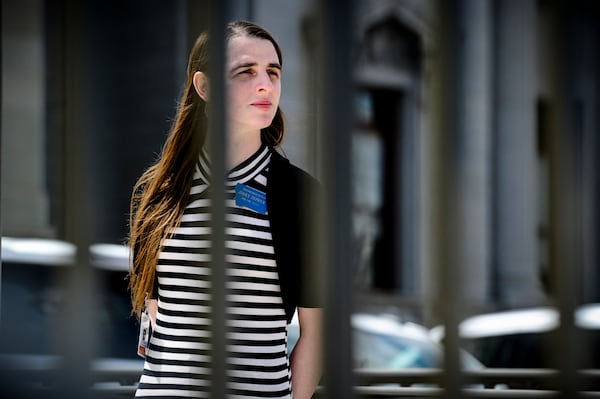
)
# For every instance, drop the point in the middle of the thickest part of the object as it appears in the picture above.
(25, 210)
(470, 153)
(517, 280)
(474, 158)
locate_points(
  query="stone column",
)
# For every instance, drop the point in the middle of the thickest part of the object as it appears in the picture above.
(474, 121)
(516, 258)
(25, 209)
(468, 162)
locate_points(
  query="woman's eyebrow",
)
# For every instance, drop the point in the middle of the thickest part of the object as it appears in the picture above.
(275, 65)
(243, 65)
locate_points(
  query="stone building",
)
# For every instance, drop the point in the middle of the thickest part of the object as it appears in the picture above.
(523, 81)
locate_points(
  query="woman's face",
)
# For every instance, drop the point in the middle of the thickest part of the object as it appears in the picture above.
(253, 84)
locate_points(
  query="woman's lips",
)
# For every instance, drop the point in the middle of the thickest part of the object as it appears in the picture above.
(262, 104)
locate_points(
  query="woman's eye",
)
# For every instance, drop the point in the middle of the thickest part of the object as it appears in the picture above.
(245, 72)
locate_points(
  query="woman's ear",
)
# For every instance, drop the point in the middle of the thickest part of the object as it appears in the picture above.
(200, 81)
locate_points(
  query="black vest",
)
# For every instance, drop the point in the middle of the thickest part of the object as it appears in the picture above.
(289, 191)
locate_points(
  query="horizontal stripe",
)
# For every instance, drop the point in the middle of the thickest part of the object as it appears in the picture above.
(170, 392)
(271, 276)
(175, 288)
(182, 332)
(174, 270)
(152, 373)
(258, 387)
(253, 363)
(264, 375)
(156, 354)
(191, 230)
(251, 310)
(233, 232)
(184, 256)
(187, 320)
(236, 280)
(171, 343)
(165, 293)
(177, 367)
(244, 217)
(255, 346)
(193, 338)
(147, 379)
(266, 366)
(250, 260)
(190, 281)
(181, 262)
(183, 301)
(185, 307)
(250, 336)
(250, 247)
(182, 241)
(195, 216)
(198, 187)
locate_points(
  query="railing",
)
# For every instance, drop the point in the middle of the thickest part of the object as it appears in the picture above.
(117, 378)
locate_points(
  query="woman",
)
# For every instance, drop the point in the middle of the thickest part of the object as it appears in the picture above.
(170, 238)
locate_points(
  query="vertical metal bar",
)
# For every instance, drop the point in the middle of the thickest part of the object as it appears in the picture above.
(565, 227)
(77, 333)
(335, 94)
(446, 142)
(217, 149)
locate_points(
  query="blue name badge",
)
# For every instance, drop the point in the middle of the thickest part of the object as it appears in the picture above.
(251, 198)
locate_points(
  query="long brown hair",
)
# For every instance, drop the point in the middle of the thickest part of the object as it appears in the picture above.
(160, 195)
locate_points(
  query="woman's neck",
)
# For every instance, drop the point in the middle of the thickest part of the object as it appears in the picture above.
(239, 148)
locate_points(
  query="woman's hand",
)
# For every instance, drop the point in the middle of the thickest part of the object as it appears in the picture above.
(152, 308)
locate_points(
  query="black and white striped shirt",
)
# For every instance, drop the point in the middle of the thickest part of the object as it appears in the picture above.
(178, 362)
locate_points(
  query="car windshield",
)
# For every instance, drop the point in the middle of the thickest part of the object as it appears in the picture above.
(391, 352)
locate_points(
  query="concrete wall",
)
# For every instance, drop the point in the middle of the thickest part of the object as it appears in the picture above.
(25, 203)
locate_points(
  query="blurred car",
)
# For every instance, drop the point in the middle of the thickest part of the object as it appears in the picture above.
(384, 342)
(523, 338)
(34, 296)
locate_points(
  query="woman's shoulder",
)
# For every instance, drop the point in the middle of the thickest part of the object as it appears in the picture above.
(281, 169)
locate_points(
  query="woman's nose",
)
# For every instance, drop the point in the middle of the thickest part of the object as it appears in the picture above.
(264, 82)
